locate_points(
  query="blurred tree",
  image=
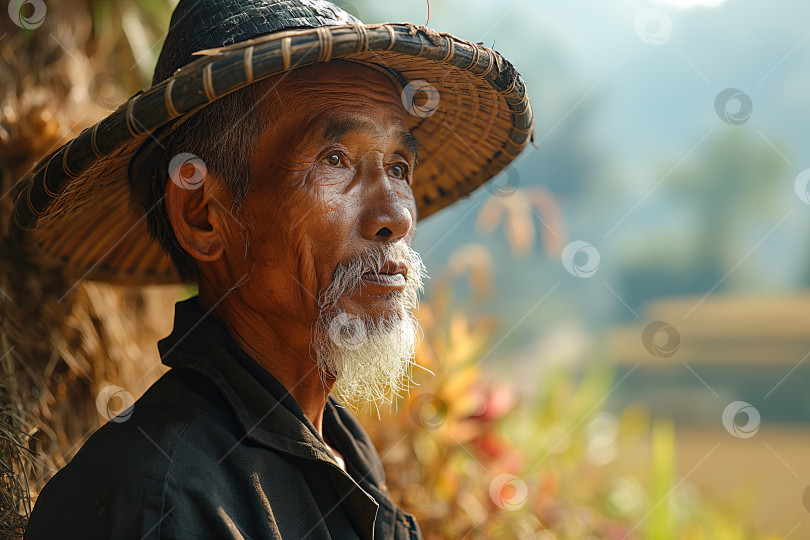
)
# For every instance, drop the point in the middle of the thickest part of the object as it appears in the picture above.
(732, 183)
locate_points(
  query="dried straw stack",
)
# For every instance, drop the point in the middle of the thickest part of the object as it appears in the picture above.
(61, 343)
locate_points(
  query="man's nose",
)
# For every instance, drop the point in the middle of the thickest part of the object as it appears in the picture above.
(385, 215)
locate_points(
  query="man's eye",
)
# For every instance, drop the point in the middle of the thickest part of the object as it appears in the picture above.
(399, 171)
(332, 159)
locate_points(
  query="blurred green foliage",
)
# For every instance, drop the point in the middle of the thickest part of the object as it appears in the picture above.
(474, 460)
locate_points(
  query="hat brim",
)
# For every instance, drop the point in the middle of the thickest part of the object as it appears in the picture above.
(73, 211)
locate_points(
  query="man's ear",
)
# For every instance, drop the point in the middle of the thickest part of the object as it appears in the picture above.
(198, 218)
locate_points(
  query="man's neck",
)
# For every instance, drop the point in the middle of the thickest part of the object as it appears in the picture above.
(285, 355)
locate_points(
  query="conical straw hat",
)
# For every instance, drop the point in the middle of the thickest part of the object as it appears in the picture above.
(74, 210)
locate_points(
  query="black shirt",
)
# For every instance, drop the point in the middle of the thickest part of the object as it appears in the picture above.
(217, 448)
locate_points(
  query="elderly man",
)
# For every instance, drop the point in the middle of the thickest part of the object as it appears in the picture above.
(290, 197)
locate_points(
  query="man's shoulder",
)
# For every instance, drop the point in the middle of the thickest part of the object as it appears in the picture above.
(119, 476)
(181, 402)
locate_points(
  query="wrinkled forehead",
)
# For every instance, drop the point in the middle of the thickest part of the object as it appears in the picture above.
(328, 101)
(339, 83)
(346, 71)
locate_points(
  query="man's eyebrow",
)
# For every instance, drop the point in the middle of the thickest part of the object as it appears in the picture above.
(410, 142)
(335, 127)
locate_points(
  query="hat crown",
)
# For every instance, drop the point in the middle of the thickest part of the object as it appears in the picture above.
(206, 24)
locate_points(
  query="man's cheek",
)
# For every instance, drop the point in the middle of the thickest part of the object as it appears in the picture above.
(333, 214)
(331, 178)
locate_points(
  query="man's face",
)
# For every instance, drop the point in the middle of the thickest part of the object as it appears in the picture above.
(333, 216)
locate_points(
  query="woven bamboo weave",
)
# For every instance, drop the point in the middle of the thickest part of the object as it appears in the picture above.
(74, 212)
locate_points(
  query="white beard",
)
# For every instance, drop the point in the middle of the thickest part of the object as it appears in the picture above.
(371, 358)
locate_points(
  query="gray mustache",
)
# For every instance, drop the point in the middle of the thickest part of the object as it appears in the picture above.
(348, 276)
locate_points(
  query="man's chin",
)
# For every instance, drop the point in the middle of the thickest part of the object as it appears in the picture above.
(369, 357)
(383, 306)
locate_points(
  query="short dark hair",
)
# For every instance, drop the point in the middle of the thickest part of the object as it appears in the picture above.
(224, 135)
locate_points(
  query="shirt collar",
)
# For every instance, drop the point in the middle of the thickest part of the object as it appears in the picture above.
(267, 412)
(269, 415)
